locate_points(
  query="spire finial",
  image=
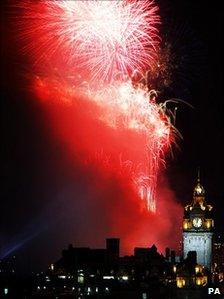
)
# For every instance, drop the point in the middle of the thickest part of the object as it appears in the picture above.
(199, 175)
(199, 190)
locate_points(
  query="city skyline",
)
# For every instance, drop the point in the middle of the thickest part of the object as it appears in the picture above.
(42, 178)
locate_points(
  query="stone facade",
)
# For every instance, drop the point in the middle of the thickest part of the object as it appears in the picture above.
(201, 242)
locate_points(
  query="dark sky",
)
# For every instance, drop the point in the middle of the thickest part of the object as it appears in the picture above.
(202, 127)
(35, 175)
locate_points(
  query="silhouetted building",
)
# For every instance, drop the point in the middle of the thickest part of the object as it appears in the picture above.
(113, 248)
(82, 272)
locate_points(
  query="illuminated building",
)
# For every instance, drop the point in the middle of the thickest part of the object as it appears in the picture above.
(189, 274)
(198, 227)
(82, 272)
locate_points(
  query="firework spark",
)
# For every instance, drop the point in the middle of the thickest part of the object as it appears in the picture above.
(105, 38)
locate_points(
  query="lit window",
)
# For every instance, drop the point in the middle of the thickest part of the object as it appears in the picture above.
(198, 281)
(197, 269)
(180, 282)
(186, 224)
(80, 279)
(124, 277)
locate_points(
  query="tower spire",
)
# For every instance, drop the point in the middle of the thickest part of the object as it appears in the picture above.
(199, 190)
(199, 175)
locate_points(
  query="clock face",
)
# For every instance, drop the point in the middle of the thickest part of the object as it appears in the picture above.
(197, 222)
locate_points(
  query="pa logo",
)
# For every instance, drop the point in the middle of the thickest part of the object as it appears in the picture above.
(214, 291)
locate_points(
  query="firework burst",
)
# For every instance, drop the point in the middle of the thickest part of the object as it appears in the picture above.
(104, 38)
(103, 44)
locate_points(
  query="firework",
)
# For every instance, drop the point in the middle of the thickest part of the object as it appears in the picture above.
(135, 118)
(134, 109)
(104, 38)
(103, 44)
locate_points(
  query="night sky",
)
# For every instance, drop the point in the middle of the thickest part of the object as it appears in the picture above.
(37, 180)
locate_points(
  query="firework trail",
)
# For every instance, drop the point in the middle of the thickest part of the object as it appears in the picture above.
(126, 110)
(134, 109)
(103, 43)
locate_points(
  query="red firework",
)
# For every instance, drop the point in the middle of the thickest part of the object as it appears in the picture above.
(102, 43)
(134, 117)
(105, 38)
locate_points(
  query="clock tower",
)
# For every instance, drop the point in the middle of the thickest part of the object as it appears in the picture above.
(198, 227)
